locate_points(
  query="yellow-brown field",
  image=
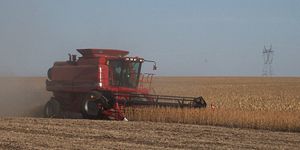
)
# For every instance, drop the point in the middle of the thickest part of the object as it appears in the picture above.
(261, 103)
(245, 102)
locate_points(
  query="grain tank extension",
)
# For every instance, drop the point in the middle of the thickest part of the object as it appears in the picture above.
(102, 81)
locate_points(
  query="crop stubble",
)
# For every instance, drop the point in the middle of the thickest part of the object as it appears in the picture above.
(39, 133)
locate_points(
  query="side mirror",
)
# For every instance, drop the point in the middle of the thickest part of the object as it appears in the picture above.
(154, 64)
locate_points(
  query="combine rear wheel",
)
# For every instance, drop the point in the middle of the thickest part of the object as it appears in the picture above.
(52, 109)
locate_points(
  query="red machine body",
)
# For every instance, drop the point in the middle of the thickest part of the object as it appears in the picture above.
(100, 81)
(93, 71)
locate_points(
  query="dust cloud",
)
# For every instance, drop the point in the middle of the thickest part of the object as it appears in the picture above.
(23, 96)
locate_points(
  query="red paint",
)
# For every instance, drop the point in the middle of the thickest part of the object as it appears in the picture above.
(71, 80)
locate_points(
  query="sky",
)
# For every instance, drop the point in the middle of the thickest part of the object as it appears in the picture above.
(185, 37)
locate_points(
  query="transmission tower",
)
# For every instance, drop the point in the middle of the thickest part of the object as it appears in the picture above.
(268, 60)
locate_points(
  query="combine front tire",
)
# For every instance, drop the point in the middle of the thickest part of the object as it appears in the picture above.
(89, 109)
(90, 105)
(52, 109)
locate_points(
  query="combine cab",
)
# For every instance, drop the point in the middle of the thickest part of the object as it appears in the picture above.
(100, 82)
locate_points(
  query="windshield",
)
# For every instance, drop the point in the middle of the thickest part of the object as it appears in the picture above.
(124, 73)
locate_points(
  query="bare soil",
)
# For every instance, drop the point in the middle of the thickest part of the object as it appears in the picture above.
(39, 133)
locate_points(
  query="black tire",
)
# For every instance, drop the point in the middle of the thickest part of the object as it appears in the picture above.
(52, 109)
(89, 109)
(89, 106)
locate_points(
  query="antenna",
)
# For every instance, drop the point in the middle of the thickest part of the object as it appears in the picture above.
(268, 60)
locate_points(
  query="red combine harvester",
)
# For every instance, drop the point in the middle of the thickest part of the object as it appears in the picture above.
(101, 82)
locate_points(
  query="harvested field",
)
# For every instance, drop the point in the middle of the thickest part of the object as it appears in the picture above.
(260, 103)
(38, 133)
